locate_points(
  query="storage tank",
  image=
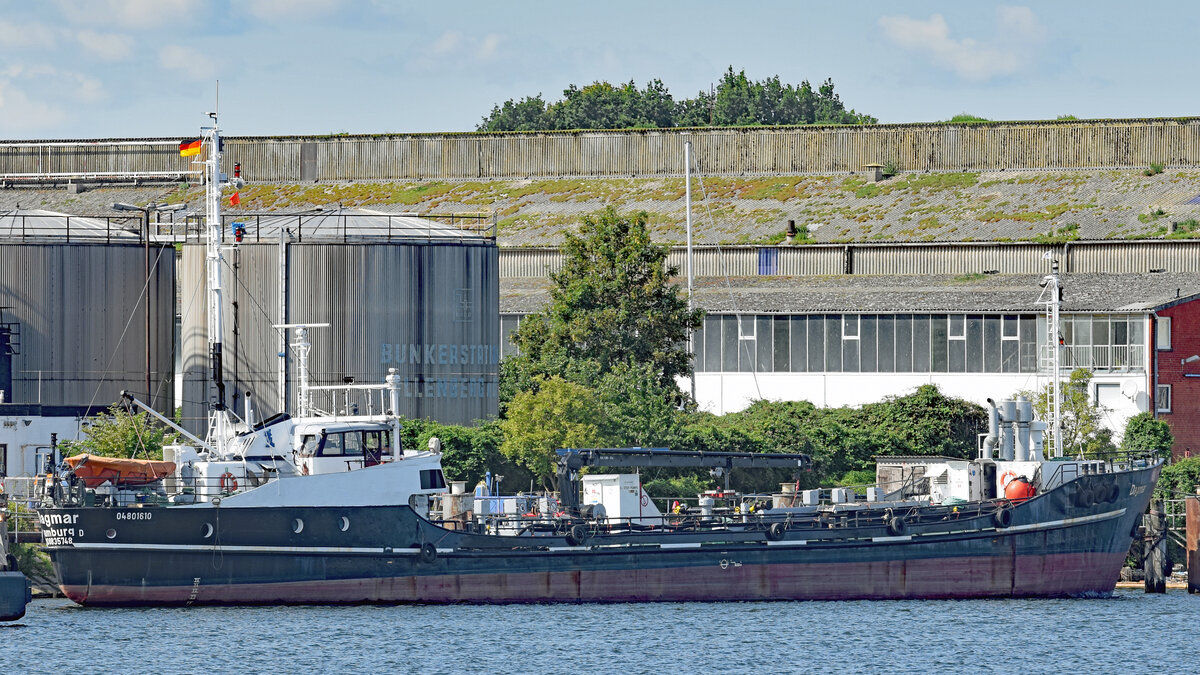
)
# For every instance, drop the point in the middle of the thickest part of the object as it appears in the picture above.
(398, 292)
(72, 289)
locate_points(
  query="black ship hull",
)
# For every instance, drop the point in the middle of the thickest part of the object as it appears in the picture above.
(1054, 546)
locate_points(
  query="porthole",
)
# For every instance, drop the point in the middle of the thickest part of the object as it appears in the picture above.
(111, 534)
(344, 524)
(207, 530)
(297, 526)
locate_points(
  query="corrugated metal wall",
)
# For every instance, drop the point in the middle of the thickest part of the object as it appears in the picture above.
(430, 310)
(83, 328)
(961, 258)
(751, 150)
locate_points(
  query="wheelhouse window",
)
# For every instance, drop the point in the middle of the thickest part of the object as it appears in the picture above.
(432, 479)
(309, 444)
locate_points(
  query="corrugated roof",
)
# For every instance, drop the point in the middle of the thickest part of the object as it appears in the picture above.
(345, 224)
(37, 224)
(918, 293)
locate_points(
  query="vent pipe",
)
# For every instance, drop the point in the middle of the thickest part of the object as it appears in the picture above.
(989, 443)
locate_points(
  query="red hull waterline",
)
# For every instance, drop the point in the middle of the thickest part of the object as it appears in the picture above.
(1054, 575)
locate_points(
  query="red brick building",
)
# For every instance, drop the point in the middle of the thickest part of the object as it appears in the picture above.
(1177, 359)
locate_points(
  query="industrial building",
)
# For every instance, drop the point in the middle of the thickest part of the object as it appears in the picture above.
(88, 310)
(397, 292)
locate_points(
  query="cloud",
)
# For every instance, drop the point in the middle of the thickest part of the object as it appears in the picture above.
(106, 46)
(448, 43)
(136, 14)
(34, 97)
(275, 10)
(187, 61)
(25, 35)
(1009, 50)
(19, 114)
(489, 47)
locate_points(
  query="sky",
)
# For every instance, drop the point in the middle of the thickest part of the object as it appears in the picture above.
(150, 68)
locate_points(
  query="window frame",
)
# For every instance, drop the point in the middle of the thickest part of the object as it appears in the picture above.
(846, 335)
(1158, 398)
(1161, 322)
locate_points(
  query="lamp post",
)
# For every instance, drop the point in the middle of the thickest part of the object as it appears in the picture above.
(122, 206)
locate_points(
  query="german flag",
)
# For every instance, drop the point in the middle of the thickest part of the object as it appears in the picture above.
(189, 148)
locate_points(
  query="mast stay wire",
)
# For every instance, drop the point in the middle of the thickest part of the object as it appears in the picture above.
(143, 296)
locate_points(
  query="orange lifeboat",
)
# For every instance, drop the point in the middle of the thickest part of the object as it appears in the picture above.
(94, 470)
(1019, 489)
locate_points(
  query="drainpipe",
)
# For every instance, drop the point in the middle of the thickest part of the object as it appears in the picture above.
(1066, 254)
(1152, 345)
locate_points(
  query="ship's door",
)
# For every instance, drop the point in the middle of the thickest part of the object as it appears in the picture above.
(372, 448)
(989, 480)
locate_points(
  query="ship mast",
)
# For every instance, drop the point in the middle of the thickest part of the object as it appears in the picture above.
(687, 173)
(220, 424)
(1053, 288)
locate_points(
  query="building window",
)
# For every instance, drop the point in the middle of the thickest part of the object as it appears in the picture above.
(1162, 398)
(957, 326)
(1162, 332)
(850, 327)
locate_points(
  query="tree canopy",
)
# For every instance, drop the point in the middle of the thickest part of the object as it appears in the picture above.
(117, 433)
(1083, 431)
(734, 101)
(611, 305)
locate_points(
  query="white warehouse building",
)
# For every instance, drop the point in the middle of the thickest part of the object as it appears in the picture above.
(855, 339)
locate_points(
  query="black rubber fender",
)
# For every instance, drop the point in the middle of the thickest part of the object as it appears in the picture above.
(1136, 532)
(776, 531)
(1002, 517)
(1084, 497)
(428, 553)
(577, 535)
(896, 526)
(1114, 493)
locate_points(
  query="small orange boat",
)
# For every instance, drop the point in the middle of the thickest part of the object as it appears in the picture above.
(94, 470)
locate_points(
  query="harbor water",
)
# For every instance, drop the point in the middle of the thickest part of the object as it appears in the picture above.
(1130, 632)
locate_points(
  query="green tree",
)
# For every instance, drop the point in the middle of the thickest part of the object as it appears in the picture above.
(528, 114)
(559, 414)
(611, 303)
(1082, 432)
(734, 101)
(928, 422)
(1178, 479)
(639, 408)
(1143, 433)
(116, 433)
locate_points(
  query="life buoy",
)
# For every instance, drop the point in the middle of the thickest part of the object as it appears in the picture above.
(228, 482)
(896, 526)
(775, 531)
(1006, 478)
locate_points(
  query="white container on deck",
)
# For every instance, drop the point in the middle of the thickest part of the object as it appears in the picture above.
(622, 496)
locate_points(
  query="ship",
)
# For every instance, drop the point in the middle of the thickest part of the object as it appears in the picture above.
(324, 506)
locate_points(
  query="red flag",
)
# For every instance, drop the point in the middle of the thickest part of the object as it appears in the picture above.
(235, 199)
